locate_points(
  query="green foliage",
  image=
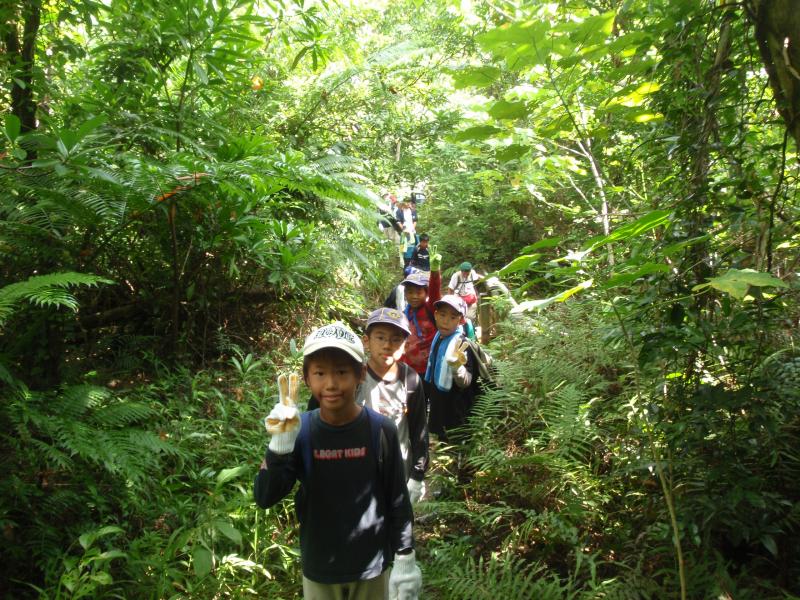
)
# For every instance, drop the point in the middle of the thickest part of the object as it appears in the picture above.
(44, 290)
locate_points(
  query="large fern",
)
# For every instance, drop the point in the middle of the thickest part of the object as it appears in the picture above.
(45, 290)
(508, 578)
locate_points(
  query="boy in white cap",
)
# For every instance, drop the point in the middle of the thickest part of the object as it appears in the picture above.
(353, 504)
(452, 384)
(395, 390)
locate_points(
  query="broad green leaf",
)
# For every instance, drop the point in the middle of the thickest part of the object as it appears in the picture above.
(479, 132)
(68, 138)
(636, 97)
(201, 561)
(475, 77)
(88, 539)
(593, 29)
(87, 127)
(545, 243)
(227, 474)
(769, 544)
(562, 297)
(623, 278)
(504, 109)
(200, 72)
(508, 35)
(736, 282)
(636, 228)
(678, 246)
(229, 531)
(12, 127)
(512, 152)
(519, 264)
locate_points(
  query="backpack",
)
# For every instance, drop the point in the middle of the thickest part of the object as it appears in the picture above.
(376, 436)
(486, 368)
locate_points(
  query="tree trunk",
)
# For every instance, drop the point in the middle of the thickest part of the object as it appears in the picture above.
(777, 32)
(21, 55)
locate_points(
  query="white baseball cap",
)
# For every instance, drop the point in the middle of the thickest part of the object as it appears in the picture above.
(336, 335)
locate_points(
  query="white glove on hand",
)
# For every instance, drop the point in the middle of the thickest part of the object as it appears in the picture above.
(416, 489)
(405, 581)
(283, 422)
(459, 355)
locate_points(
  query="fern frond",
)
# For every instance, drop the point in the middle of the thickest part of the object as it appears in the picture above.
(122, 413)
(510, 579)
(45, 290)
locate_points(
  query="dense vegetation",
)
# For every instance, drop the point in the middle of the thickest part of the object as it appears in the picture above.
(187, 187)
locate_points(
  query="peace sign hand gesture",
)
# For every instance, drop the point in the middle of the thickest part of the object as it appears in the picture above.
(459, 354)
(283, 422)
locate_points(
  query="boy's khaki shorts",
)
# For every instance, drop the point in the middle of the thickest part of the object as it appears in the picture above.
(369, 589)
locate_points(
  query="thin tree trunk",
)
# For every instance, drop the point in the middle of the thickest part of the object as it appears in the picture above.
(22, 54)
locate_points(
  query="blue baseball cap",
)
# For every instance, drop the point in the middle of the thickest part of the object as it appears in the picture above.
(389, 316)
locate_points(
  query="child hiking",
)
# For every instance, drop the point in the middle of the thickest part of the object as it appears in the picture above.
(352, 504)
(451, 373)
(462, 283)
(420, 257)
(394, 390)
(421, 291)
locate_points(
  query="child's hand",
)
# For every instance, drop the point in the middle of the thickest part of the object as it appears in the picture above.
(436, 259)
(405, 580)
(283, 422)
(459, 355)
(416, 489)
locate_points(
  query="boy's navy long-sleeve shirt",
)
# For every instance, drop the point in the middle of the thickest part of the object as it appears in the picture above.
(353, 516)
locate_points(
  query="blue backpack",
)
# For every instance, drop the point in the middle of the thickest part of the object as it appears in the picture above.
(375, 428)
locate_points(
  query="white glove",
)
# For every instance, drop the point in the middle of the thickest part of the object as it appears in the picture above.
(405, 581)
(416, 489)
(283, 422)
(459, 355)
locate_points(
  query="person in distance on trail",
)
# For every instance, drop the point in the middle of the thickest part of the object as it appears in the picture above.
(394, 390)
(420, 257)
(462, 283)
(451, 372)
(352, 504)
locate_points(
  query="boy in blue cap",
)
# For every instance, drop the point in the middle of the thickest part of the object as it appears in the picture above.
(395, 390)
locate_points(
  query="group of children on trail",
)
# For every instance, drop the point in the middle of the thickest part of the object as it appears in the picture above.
(360, 452)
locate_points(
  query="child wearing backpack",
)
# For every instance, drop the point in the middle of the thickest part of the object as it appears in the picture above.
(395, 390)
(352, 504)
(421, 290)
(452, 373)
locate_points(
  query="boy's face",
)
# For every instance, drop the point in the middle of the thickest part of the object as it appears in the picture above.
(447, 319)
(423, 243)
(333, 382)
(415, 295)
(385, 345)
